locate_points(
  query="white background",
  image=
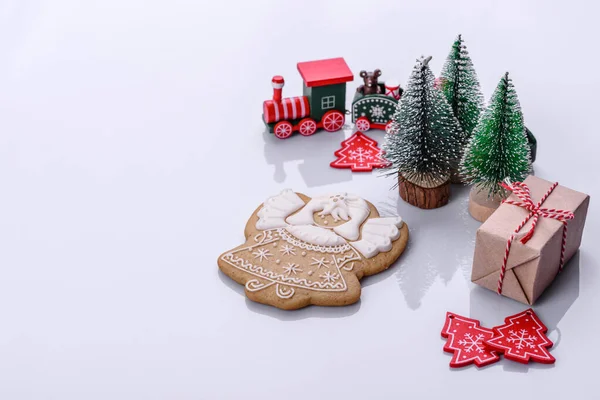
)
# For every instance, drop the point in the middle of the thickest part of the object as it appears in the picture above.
(132, 153)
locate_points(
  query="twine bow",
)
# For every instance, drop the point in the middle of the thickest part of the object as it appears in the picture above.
(521, 190)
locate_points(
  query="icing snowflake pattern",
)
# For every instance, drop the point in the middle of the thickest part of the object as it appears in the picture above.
(320, 262)
(330, 277)
(262, 254)
(522, 339)
(472, 343)
(287, 250)
(288, 275)
(377, 111)
(291, 268)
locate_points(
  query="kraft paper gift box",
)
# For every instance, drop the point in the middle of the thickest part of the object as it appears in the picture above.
(530, 267)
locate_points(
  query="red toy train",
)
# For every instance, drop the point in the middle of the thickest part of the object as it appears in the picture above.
(323, 103)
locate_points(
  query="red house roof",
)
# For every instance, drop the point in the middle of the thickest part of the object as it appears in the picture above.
(325, 72)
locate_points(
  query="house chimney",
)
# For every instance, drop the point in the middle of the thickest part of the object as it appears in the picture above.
(277, 82)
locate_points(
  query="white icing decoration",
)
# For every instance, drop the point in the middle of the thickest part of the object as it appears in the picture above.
(262, 254)
(315, 235)
(378, 235)
(287, 250)
(291, 275)
(275, 209)
(265, 273)
(291, 268)
(329, 277)
(288, 237)
(320, 262)
(284, 292)
(254, 285)
(344, 207)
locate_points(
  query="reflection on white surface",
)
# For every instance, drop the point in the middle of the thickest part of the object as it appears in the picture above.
(314, 153)
(551, 308)
(440, 252)
(132, 153)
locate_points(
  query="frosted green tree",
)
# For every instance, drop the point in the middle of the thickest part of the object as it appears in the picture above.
(461, 87)
(422, 141)
(498, 149)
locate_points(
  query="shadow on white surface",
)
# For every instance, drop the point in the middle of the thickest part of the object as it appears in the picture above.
(303, 313)
(294, 315)
(551, 307)
(315, 151)
(429, 255)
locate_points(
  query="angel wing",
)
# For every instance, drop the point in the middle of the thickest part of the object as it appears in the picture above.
(378, 235)
(277, 208)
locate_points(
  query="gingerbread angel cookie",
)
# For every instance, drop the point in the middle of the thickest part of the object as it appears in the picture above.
(301, 251)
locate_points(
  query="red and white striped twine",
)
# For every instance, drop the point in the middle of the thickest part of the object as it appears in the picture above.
(521, 190)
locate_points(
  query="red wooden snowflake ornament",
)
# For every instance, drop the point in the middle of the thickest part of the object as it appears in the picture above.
(522, 338)
(466, 339)
(359, 153)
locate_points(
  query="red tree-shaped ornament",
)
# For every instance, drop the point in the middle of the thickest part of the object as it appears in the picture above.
(466, 339)
(521, 338)
(360, 153)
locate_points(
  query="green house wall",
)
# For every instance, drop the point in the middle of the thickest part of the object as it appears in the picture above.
(316, 94)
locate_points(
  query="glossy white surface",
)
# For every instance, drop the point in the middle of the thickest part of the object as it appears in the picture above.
(132, 153)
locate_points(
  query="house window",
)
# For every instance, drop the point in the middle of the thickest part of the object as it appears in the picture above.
(327, 102)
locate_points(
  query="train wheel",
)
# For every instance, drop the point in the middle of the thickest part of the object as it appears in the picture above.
(333, 121)
(283, 130)
(363, 124)
(307, 127)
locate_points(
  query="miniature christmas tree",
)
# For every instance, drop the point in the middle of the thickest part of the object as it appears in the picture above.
(359, 153)
(422, 141)
(461, 87)
(498, 149)
(465, 339)
(522, 338)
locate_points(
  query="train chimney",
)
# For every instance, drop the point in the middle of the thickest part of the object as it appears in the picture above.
(277, 82)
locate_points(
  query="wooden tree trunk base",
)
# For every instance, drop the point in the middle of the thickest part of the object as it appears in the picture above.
(426, 198)
(481, 206)
(456, 177)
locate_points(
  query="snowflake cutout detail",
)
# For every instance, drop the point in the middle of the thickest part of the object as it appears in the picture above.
(287, 250)
(377, 111)
(291, 268)
(471, 343)
(262, 254)
(320, 262)
(329, 277)
(466, 339)
(361, 155)
(522, 339)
